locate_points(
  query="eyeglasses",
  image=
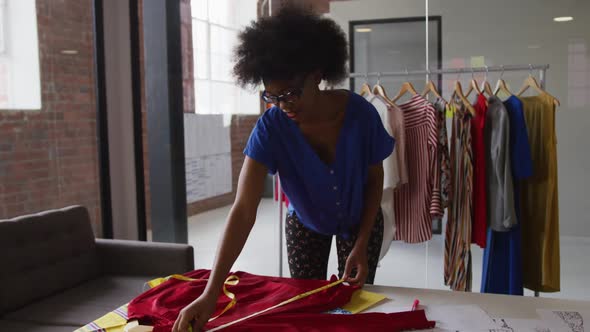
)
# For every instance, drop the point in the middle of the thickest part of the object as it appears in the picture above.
(289, 96)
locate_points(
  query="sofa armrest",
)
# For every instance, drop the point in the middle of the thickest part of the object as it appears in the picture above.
(125, 257)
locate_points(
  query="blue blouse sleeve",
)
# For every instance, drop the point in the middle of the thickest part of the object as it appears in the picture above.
(380, 144)
(260, 147)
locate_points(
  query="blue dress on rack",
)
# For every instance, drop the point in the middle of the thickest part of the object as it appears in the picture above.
(502, 260)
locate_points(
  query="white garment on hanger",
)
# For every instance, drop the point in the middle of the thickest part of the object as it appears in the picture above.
(390, 168)
(390, 179)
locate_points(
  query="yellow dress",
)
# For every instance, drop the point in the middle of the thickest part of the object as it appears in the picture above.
(539, 199)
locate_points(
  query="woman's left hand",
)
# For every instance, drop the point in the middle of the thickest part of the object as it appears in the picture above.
(357, 260)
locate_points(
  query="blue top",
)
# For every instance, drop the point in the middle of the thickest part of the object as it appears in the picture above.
(520, 150)
(328, 198)
(502, 260)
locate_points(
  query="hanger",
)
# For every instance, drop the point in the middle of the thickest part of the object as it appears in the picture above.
(473, 86)
(531, 82)
(485, 85)
(458, 92)
(431, 87)
(501, 85)
(379, 91)
(365, 88)
(406, 87)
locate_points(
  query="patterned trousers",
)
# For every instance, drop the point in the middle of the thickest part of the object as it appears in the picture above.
(308, 252)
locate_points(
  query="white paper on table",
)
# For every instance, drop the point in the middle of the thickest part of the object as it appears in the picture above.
(564, 320)
(522, 325)
(460, 318)
(387, 307)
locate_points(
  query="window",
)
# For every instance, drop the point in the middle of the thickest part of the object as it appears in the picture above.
(216, 25)
(20, 86)
(395, 44)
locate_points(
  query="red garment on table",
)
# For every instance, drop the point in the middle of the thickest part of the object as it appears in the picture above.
(479, 230)
(160, 306)
(401, 321)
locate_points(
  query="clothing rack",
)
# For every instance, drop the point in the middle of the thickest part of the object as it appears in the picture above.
(486, 69)
(462, 70)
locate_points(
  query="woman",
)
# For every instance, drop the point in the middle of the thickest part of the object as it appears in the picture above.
(327, 146)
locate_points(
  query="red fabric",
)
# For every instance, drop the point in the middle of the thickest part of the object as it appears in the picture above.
(161, 305)
(402, 321)
(478, 233)
(285, 198)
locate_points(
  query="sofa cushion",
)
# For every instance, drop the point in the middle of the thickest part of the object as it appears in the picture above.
(44, 253)
(9, 326)
(82, 304)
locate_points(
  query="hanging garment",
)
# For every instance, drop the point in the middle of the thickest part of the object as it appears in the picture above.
(159, 307)
(391, 177)
(396, 122)
(502, 259)
(394, 170)
(501, 215)
(388, 221)
(416, 202)
(443, 178)
(478, 235)
(457, 265)
(443, 152)
(540, 200)
(391, 171)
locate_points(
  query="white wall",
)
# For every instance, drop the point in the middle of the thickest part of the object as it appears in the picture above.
(20, 85)
(518, 32)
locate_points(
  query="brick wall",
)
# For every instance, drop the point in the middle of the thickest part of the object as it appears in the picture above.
(48, 158)
(186, 37)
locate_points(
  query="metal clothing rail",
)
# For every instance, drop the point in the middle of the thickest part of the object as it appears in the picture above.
(462, 70)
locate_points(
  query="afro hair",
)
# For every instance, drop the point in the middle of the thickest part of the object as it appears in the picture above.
(295, 42)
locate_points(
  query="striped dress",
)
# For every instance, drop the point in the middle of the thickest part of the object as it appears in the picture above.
(457, 267)
(418, 200)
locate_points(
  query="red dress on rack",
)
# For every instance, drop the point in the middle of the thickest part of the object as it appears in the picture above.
(479, 230)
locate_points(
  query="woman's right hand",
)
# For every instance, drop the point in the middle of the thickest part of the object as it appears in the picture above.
(196, 314)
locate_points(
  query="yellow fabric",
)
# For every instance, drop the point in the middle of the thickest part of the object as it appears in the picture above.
(361, 300)
(114, 321)
(539, 199)
(450, 110)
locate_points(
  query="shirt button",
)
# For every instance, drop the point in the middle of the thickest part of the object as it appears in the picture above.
(337, 203)
(335, 188)
(331, 171)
